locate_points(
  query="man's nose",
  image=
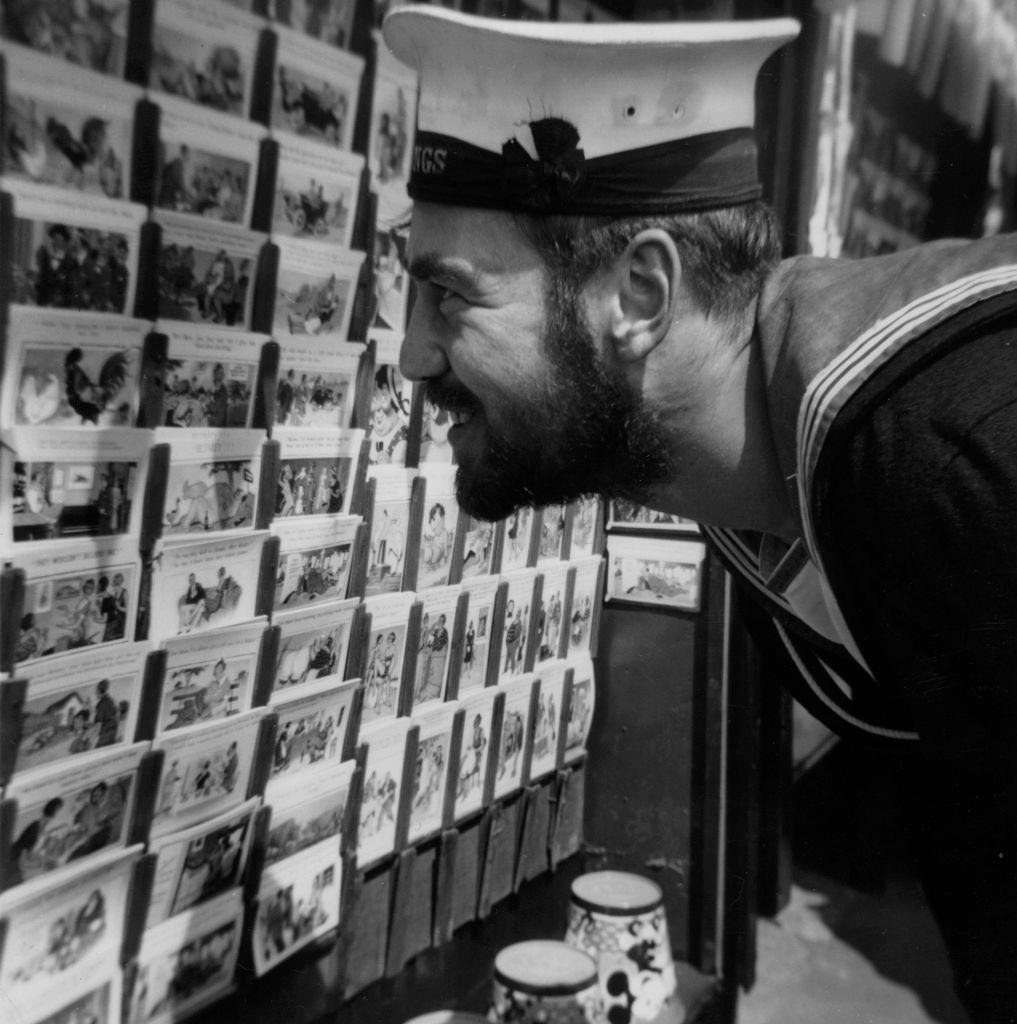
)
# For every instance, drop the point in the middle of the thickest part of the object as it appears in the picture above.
(422, 354)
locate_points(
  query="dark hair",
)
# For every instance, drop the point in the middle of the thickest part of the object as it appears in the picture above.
(725, 253)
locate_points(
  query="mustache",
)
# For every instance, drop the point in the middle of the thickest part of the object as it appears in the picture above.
(447, 393)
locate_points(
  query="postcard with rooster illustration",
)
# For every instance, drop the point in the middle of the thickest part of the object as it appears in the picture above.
(69, 369)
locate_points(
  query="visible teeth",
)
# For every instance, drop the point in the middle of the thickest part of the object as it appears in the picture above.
(459, 418)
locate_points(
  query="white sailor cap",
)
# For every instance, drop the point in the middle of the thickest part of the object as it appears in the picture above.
(619, 118)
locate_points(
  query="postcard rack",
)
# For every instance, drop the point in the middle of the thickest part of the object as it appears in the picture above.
(266, 695)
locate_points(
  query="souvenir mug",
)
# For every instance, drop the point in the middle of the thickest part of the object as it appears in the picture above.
(448, 1017)
(618, 919)
(544, 982)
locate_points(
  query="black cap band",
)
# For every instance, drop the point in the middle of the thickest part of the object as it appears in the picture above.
(701, 172)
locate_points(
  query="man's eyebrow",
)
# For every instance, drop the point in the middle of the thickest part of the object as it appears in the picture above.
(430, 267)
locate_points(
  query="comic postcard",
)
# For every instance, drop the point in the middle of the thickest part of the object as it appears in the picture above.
(331, 21)
(314, 642)
(553, 534)
(440, 525)
(71, 369)
(586, 597)
(481, 547)
(435, 644)
(206, 771)
(186, 962)
(70, 251)
(199, 863)
(390, 527)
(515, 656)
(67, 591)
(383, 779)
(314, 560)
(585, 518)
(213, 480)
(548, 741)
(315, 91)
(391, 279)
(63, 483)
(393, 107)
(552, 636)
(431, 770)
(514, 744)
(207, 270)
(209, 676)
(100, 1004)
(307, 809)
(67, 126)
(584, 696)
(208, 162)
(70, 810)
(518, 548)
(80, 702)
(483, 591)
(391, 405)
(298, 902)
(629, 517)
(386, 653)
(317, 470)
(206, 584)
(210, 377)
(315, 288)
(435, 425)
(314, 722)
(663, 572)
(316, 192)
(63, 934)
(205, 54)
(475, 750)
(317, 384)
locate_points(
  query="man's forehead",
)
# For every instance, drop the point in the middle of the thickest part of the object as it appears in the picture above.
(482, 241)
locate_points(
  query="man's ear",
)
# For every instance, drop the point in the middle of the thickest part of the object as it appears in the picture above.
(645, 282)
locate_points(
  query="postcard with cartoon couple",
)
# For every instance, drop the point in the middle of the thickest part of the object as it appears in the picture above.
(315, 559)
(84, 701)
(70, 369)
(314, 643)
(520, 599)
(200, 863)
(481, 547)
(318, 471)
(476, 646)
(77, 595)
(439, 562)
(554, 613)
(437, 643)
(63, 483)
(431, 799)
(63, 934)
(207, 584)
(317, 384)
(68, 251)
(298, 902)
(384, 660)
(394, 519)
(206, 770)
(384, 775)
(68, 811)
(477, 750)
(186, 962)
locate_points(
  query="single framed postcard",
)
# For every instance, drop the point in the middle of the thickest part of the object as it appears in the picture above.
(628, 517)
(386, 652)
(476, 647)
(331, 21)
(213, 480)
(317, 382)
(317, 471)
(435, 425)
(315, 288)
(435, 644)
(584, 698)
(208, 162)
(390, 527)
(298, 902)
(391, 278)
(206, 771)
(70, 369)
(518, 549)
(521, 610)
(393, 104)
(314, 721)
(63, 934)
(514, 745)
(431, 770)
(548, 741)
(391, 403)
(552, 636)
(201, 862)
(587, 594)
(439, 528)
(65, 588)
(314, 643)
(585, 519)
(205, 584)
(209, 677)
(70, 810)
(315, 91)
(475, 750)
(99, 1005)
(210, 377)
(479, 548)
(92, 35)
(65, 483)
(205, 54)
(186, 962)
(316, 193)
(665, 573)
(314, 560)
(67, 126)
(207, 270)
(80, 702)
(553, 522)
(307, 810)
(73, 252)
(384, 770)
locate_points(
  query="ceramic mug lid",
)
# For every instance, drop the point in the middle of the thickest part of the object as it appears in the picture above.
(616, 892)
(545, 967)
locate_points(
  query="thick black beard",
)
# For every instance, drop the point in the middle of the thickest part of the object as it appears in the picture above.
(585, 433)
